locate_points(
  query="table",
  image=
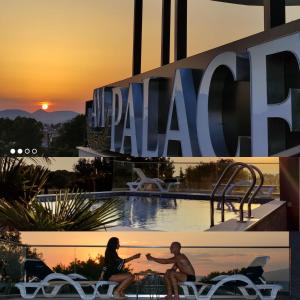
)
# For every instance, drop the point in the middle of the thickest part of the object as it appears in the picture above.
(149, 283)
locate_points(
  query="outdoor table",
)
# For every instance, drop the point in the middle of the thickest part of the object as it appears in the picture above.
(149, 283)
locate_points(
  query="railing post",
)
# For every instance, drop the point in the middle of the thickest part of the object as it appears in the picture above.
(289, 175)
(137, 37)
(274, 13)
(294, 265)
(180, 29)
(252, 197)
(165, 32)
(234, 174)
(252, 186)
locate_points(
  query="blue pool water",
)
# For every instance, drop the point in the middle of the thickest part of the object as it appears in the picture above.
(166, 214)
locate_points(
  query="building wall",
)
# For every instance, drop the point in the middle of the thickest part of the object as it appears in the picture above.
(290, 190)
(295, 264)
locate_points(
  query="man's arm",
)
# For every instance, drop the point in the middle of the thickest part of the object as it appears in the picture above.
(171, 260)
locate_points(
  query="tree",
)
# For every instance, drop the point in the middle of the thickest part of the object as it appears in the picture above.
(12, 253)
(94, 175)
(204, 175)
(91, 268)
(84, 167)
(70, 135)
(60, 179)
(20, 133)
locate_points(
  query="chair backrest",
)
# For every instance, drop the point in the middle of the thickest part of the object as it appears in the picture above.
(254, 273)
(36, 268)
(140, 173)
(260, 261)
(267, 190)
(255, 270)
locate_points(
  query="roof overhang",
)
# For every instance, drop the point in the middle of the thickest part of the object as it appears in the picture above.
(256, 2)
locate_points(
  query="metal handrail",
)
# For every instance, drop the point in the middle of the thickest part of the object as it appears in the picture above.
(240, 166)
(248, 193)
(258, 187)
(227, 186)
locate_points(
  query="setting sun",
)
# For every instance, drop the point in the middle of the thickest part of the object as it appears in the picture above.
(45, 106)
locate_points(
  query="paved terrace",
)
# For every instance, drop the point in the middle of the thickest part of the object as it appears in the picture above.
(153, 298)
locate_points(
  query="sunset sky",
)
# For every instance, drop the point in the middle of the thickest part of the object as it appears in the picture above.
(58, 51)
(204, 260)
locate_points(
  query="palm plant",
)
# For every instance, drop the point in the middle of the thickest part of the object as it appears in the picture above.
(21, 209)
(69, 212)
(20, 182)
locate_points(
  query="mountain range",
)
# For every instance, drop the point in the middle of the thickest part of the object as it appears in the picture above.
(45, 117)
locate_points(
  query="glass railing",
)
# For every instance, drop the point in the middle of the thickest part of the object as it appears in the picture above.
(197, 175)
(208, 262)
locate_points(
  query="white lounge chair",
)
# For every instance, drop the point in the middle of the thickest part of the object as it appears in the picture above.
(143, 180)
(250, 280)
(50, 283)
(265, 191)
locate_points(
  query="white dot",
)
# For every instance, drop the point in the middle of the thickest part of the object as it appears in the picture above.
(27, 151)
(12, 151)
(20, 151)
(34, 151)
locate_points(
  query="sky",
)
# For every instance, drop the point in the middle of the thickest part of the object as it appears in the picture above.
(58, 51)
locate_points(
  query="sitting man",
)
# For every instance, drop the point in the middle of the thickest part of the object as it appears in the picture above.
(172, 277)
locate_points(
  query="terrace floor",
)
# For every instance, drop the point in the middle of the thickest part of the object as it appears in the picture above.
(78, 298)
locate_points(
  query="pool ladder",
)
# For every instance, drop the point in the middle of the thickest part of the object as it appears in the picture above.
(248, 196)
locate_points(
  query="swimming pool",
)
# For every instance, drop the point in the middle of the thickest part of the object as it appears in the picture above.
(169, 214)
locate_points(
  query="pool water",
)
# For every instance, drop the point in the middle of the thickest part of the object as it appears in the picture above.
(165, 214)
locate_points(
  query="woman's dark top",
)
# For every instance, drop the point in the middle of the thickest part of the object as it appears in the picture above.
(113, 264)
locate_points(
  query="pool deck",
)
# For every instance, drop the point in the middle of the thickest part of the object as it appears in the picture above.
(259, 214)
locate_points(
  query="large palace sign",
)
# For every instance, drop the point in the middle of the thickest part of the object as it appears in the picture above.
(240, 99)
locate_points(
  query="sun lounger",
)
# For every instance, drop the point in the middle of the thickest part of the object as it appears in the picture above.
(49, 283)
(144, 180)
(249, 283)
(242, 282)
(265, 191)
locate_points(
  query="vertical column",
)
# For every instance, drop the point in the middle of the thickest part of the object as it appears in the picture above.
(294, 265)
(274, 13)
(137, 37)
(290, 189)
(180, 29)
(165, 34)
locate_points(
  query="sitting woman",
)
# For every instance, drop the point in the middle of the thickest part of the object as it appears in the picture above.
(113, 268)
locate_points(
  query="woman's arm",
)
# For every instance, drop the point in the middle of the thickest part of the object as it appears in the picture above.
(126, 260)
(101, 275)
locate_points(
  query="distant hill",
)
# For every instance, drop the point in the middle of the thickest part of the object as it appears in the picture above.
(45, 117)
(278, 275)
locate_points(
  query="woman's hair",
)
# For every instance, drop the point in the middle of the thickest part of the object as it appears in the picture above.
(111, 248)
